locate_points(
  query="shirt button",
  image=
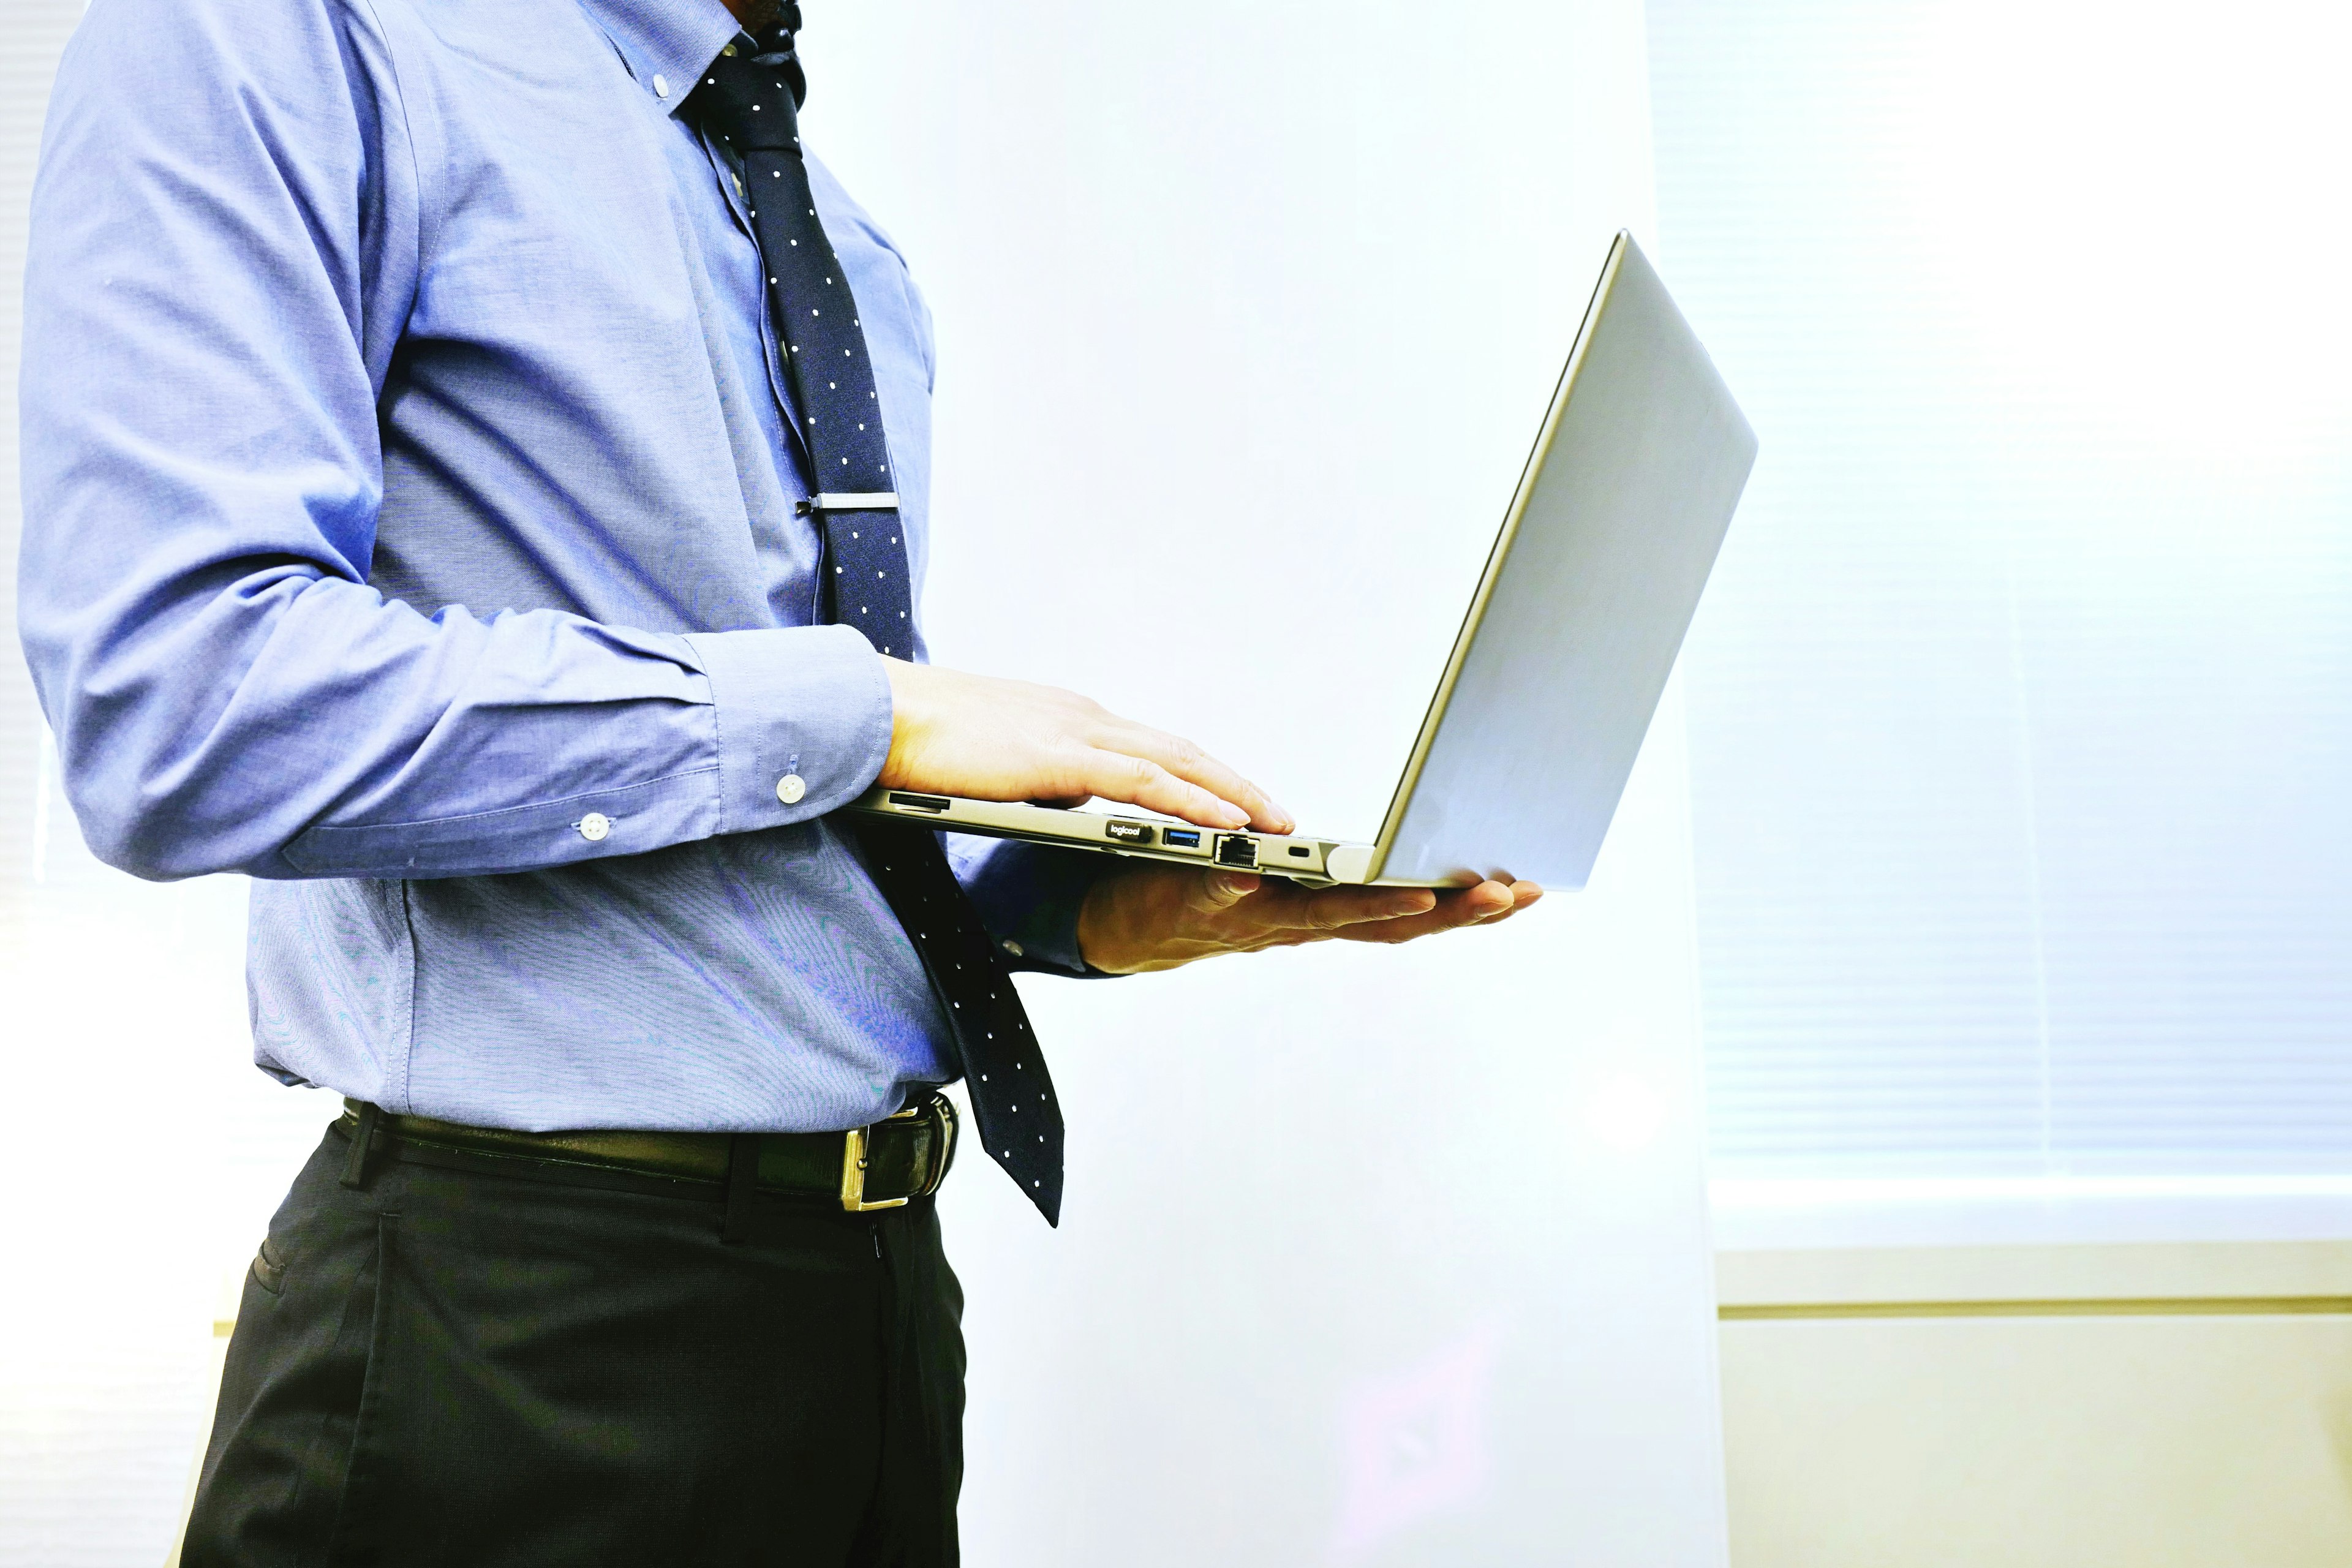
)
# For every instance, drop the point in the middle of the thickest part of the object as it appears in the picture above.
(790, 788)
(1013, 947)
(661, 87)
(594, 825)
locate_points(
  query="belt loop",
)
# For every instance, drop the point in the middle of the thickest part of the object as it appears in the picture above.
(742, 1178)
(362, 1138)
(943, 1114)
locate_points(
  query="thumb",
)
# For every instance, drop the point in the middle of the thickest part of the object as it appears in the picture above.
(1223, 890)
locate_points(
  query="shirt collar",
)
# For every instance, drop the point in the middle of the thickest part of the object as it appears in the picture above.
(664, 43)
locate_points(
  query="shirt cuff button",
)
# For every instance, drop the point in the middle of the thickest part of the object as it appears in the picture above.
(594, 825)
(790, 788)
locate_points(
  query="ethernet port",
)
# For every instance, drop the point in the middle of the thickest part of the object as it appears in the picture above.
(1236, 849)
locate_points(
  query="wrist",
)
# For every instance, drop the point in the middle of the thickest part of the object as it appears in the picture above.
(904, 681)
(1093, 947)
(1106, 925)
(801, 721)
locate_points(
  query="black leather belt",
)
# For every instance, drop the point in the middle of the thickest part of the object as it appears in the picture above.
(877, 1167)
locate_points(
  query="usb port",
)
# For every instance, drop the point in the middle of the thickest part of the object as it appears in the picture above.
(919, 802)
(1181, 838)
(1236, 849)
(1126, 832)
(1301, 852)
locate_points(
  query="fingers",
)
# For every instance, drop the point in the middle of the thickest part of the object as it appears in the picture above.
(1488, 903)
(1183, 760)
(1327, 911)
(1366, 914)
(1161, 917)
(1138, 780)
(957, 733)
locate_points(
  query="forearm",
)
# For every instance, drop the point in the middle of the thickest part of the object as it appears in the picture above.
(285, 724)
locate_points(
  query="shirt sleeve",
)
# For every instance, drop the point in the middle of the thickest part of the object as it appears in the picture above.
(1028, 895)
(222, 253)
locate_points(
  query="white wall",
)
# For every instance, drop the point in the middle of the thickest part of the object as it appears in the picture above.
(122, 1027)
(1369, 1257)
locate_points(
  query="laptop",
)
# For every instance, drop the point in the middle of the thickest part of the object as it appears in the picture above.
(1544, 698)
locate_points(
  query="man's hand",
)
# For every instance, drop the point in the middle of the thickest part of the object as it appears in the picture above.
(973, 735)
(1161, 917)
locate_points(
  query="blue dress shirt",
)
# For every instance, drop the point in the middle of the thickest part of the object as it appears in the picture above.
(409, 524)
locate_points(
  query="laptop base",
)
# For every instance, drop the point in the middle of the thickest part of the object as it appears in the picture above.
(1315, 861)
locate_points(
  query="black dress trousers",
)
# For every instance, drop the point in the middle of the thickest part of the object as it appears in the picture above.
(482, 1361)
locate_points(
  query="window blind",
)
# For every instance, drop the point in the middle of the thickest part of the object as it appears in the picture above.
(2021, 703)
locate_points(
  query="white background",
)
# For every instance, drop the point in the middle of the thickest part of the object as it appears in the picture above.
(1246, 315)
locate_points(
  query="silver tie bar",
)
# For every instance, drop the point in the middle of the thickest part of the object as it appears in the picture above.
(849, 501)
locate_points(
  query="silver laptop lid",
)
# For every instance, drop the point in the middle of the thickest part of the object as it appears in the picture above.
(1583, 604)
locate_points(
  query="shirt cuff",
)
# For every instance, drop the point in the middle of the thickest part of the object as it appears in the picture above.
(1028, 895)
(803, 715)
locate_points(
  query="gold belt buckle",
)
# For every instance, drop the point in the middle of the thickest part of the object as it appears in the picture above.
(857, 1141)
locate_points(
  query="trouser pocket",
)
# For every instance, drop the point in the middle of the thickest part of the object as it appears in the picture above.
(293, 1387)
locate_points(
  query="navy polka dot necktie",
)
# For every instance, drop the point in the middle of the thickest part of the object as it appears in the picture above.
(750, 99)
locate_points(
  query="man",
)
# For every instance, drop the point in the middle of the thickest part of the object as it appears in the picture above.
(477, 481)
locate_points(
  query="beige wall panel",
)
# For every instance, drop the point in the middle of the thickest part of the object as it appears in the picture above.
(2041, 1442)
